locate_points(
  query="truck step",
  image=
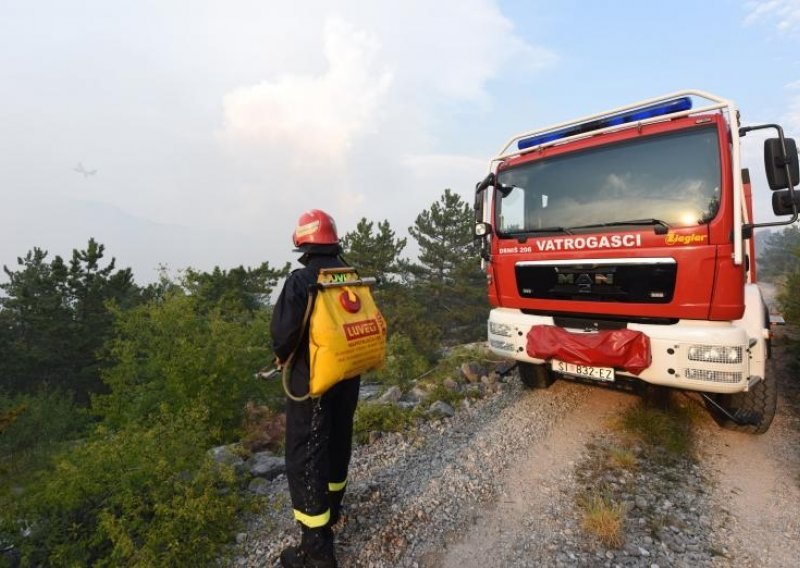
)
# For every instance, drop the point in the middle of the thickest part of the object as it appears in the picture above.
(740, 417)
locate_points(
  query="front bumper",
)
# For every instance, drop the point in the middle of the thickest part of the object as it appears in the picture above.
(693, 355)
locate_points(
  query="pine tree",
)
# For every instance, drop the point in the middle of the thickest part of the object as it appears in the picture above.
(448, 279)
(377, 253)
(239, 288)
(374, 254)
(778, 257)
(37, 325)
(55, 318)
(90, 287)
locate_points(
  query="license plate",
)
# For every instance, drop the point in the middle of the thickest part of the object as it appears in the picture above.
(586, 371)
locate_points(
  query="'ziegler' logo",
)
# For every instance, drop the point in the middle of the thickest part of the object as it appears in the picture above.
(361, 329)
(675, 239)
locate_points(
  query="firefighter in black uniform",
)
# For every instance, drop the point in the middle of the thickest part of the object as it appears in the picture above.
(318, 430)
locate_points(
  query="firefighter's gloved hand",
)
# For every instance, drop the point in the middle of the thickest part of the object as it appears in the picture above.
(267, 374)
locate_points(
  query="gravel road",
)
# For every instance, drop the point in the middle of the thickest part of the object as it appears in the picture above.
(498, 485)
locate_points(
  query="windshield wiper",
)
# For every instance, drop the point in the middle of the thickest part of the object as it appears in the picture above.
(550, 230)
(527, 232)
(660, 227)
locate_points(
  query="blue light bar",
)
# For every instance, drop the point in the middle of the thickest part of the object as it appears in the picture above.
(669, 107)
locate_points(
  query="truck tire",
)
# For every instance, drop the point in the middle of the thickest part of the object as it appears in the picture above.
(535, 376)
(759, 402)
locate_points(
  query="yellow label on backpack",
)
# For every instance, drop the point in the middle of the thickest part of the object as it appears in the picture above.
(347, 335)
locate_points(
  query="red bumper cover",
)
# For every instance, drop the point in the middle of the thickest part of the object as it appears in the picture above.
(619, 348)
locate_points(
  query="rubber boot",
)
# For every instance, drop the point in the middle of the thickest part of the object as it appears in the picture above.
(315, 550)
(335, 500)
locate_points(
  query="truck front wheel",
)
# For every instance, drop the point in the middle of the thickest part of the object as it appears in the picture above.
(535, 376)
(756, 406)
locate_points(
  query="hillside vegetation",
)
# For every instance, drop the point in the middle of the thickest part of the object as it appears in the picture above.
(111, 392)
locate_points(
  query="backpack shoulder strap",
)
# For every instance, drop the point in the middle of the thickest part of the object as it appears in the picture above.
(287, 367)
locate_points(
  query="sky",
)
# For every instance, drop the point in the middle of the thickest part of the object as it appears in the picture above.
(211, 126)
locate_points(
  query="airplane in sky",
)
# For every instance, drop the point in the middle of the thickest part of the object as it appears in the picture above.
(81, 170)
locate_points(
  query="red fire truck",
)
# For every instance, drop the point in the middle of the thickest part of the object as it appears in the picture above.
(619, 248)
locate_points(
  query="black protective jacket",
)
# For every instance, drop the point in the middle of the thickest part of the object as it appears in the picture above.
(287, 318)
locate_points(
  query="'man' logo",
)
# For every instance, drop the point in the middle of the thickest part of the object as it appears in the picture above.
(566, 278)
(586, 279)
(361, 329)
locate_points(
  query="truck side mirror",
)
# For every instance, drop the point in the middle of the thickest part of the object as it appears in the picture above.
(782, 202)
(775, 162)
(480, 187)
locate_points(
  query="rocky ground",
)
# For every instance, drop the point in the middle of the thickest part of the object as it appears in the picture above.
(756, 479)
(499, 484)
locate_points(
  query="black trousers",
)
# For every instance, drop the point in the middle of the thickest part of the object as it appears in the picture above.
(319, 434)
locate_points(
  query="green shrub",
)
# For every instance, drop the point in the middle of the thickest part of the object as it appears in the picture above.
(143, 496)
(175, 351)
(381, 418)
(441, 392)
(403, 362)
(35, 426)
(787, 299)
(449, 366)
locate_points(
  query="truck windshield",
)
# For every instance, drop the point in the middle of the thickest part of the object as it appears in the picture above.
(672, 178)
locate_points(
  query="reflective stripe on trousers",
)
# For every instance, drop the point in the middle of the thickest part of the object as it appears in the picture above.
(313, 521)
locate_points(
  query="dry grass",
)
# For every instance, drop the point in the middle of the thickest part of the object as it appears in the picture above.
(603, 518)
(623, 458)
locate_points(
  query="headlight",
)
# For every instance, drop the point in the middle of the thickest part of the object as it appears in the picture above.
(715, 353)
(501, 345)
(500, 329)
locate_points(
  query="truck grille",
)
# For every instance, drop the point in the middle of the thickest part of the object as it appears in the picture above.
(647, 281)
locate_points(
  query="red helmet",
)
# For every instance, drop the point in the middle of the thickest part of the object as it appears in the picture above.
(315, 227)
